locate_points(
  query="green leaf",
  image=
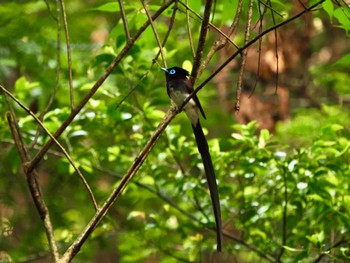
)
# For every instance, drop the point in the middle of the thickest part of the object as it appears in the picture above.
(316, 238)
(342, 15)
(108, 7)
(328, 7)
(292, 249)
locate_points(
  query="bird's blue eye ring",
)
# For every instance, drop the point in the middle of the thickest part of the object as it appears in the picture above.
(172, 72)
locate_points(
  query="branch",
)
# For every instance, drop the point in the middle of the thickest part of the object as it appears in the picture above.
(217, 45)
(125, 21)
(339, 243)
(173, 204)
(95, 87)
(154, 60)
(154, 32)
(55, 141)
(58, 70)
(284, 218)
(201, 41)
(224, 38)
(34, 188)
(276, 48)
(251, 42)
(189, 30)
(212, 26)
(244, 57)
(75, 247)
(69, 55)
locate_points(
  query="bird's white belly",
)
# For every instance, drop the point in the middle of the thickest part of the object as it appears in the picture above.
(190, 108)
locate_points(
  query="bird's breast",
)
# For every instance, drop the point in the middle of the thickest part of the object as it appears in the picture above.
(191, 109)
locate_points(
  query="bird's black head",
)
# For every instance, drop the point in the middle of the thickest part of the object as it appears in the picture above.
(175, 73)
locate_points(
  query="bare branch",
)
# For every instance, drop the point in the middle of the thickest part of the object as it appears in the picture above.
(95, 87)
(251, 42)
(284, 218)
(154, 60)
(244, 57)
(34, 188)
(212, 26)
(58, 70)
(69, 55)
(276, 47)
(337, 244)
(75, 247)
(224, 39)
(201, 41)
(189, 30)
(125, 21)
(55, 141)
(154, 32)
(260, 22)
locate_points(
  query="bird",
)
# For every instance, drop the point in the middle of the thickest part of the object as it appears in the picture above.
(179, 87)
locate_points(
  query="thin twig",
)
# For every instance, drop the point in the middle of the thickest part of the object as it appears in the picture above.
(284, 216)
(239, 51)
(69, 55)
(224, 39)
(212, 26)
(157, 193)
(125, 21)
(270, 7)
(170, 27)
(302, 4)
(55, 141)
(154, 60)
(244, 58)
(262, 254)
(34, 188)
(261, 17)
(75, 247)
(50, 11)
(154, 32)
(276, 48)
(163, 196)
(173, 204)
(189, 30)
(96, 86)
(58, 70)
(339, 243)
(201, 42)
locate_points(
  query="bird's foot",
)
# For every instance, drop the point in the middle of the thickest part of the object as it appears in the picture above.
(175, 109)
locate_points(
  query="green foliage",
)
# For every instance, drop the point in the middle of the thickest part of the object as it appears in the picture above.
(338, 13)
(285, 194)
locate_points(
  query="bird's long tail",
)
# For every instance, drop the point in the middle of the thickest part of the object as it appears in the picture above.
(209, 171)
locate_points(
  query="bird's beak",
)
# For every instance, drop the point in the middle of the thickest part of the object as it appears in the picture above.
(164, 69)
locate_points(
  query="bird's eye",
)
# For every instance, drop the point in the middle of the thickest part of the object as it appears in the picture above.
(172, 72)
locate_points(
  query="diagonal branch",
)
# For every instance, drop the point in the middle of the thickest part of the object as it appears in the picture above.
(34, 188)
(239, 51)
(224, 39)
(244, 58)
(154, 32)
(55, 141)
(212, 26)
(125, 21)
(201, 41)
(154, 60)
(95, 87)
(69, 55)
(58, 70)
(75, 247)
(189, 30)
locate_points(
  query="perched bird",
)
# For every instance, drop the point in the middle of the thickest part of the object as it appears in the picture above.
(178, 88)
